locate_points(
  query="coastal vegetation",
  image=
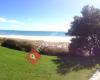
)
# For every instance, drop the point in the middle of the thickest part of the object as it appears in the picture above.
(48, 48)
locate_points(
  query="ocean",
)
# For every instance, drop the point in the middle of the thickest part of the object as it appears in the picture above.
(32, 33)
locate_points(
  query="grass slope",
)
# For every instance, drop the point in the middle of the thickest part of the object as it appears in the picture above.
(14, 66)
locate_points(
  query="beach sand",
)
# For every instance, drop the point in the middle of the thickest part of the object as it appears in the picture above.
(44, 38)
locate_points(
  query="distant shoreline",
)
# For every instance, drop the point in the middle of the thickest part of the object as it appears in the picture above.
(44, 38)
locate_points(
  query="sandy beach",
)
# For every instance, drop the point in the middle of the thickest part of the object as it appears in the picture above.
(44, 38)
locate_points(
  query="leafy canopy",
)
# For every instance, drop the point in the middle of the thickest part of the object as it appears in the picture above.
(87, 24)
(86, 29)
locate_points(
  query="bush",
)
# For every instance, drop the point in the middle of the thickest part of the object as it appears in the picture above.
(48, 48)
(54, 48)
(18, 45)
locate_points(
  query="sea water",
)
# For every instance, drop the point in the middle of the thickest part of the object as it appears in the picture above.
(32, 33)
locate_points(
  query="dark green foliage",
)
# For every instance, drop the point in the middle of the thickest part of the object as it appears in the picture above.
(14, 44)
(10, 44)
(86, 32)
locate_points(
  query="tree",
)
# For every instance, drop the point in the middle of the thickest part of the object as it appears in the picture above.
(86, 29)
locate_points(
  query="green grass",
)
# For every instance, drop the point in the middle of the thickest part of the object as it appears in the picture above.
(14, 66)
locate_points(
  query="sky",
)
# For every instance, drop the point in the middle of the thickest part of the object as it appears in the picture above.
(41, 15)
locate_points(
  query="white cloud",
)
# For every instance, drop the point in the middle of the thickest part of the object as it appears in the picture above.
(51, 27)
(3, 19)
(12, 21)
(34, 27)
(7, 20)
(41, 27)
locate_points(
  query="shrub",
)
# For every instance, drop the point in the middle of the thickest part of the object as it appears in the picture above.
(48, 48)
(18, 45)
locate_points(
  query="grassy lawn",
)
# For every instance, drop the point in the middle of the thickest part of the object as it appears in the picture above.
(14, 66)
